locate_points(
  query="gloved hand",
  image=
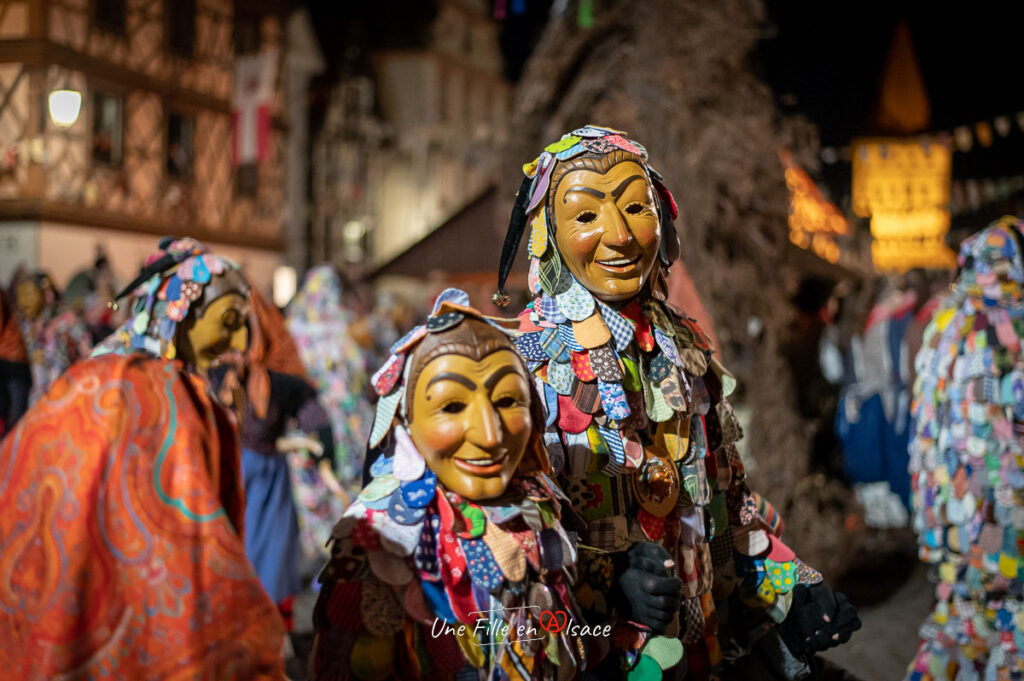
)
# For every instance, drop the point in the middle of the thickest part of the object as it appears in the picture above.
(818, 619)
(650, 594)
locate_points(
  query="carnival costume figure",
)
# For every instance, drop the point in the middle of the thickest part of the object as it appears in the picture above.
(54, 335)
(321, 327)
(453, 560)
(641, 434)
(121, 506)
(967, 464)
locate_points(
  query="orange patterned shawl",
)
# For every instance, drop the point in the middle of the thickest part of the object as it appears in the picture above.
(270, 348)
(12, 346)
(121, 512)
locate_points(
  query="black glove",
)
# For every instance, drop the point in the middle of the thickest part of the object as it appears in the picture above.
(818, 619)
(650, 594)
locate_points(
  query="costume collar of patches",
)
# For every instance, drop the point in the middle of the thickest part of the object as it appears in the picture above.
(164, 291)
(617, 370)
(417, 529)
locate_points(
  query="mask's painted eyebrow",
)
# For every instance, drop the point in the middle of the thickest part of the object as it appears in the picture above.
(589, 190)
(622, 185)
(499, 374)
(449, 376)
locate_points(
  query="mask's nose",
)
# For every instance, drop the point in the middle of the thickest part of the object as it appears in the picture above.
(485, 427)
(240, 339)
(616, 232)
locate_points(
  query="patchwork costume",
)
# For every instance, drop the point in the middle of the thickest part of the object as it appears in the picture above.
(967, 465)
(642, 436)
(413, 561)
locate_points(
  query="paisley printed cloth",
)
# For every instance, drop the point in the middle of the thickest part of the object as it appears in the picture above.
(120, 546)
(319, 324)
(966, 460)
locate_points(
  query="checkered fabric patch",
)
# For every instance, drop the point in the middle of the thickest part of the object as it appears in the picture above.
(691, 617)
(553, 346)
(621, 328)
(721, 548)
(549, 310)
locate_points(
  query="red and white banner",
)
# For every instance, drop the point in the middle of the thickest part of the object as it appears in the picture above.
(254, 91)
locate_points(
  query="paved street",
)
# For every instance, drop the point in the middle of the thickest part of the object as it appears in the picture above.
(884, 647)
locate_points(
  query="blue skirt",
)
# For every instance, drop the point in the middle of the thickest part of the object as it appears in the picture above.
(271, 524)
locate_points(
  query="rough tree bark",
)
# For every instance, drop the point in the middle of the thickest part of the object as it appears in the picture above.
(676, 74)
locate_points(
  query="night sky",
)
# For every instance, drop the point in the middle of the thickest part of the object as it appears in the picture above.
(829, 56)
(823, 59)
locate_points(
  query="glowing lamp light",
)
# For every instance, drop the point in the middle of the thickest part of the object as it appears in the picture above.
(285, 283)
(903, 185)
(65, 105)
(814, 221)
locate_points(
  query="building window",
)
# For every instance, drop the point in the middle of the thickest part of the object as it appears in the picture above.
(107, 128)
(246, 35)
(181, 26)
(180, 146)
(247, 180)
(109, 14)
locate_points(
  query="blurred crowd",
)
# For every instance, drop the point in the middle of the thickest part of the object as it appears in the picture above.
(851, 349)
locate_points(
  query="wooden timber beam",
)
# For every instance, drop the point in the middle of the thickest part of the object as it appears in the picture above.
(68, 213)
(33, 52)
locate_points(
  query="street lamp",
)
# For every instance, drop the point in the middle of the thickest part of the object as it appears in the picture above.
(65, 105)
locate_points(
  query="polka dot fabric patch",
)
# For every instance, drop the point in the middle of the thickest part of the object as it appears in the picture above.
(483, 569)
(539, 234)
(782, 575)
(441, 322)
(387, 376)
(581, 366)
